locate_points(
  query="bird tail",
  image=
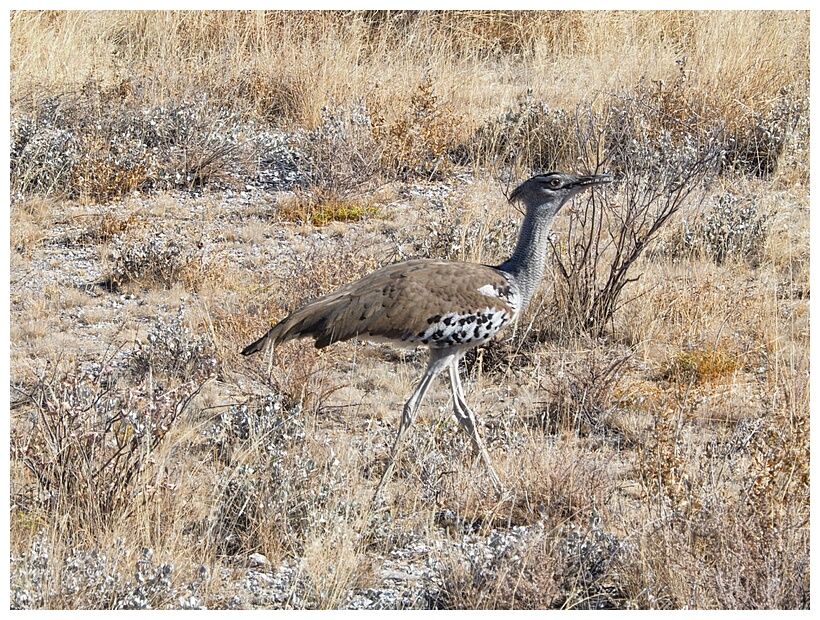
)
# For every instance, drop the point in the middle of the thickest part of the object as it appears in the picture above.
(311, 321)
(283, 330)
(258, 345)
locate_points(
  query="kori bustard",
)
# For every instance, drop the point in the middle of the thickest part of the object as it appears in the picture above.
(448, 306)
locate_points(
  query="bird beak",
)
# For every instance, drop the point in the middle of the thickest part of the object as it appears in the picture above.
(597, 179)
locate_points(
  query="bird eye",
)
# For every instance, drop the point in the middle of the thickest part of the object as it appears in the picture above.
(555, 183)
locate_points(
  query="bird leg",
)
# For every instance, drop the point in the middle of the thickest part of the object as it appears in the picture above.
(438, 361)
(270, 353)
(466, 418)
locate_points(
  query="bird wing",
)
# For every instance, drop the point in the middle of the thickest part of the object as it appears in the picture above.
(398, 303)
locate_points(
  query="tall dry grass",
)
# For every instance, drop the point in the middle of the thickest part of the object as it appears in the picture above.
(287, 66)
(108, 103)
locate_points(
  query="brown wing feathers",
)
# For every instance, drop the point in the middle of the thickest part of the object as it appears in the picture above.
(394, 303)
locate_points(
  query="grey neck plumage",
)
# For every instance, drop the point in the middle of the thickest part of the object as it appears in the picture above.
(526, 265)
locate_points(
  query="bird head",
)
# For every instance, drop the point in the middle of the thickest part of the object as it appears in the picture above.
(550, 191)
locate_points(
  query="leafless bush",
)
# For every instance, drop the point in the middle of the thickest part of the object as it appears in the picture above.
(341, 155)
(533, 136)
(86, 442)
(101, 143)
(659, 160)
(171, 350)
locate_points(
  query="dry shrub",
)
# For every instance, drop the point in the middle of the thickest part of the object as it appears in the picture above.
(532, 136)
(109, 225)
(341, 153)
(149, 259)
(730, 226)
(261, 442)
(89, 578)
(105, 169)
(171, 351)
(78, 145)
(155, 262)
(757, 137)
(87, 445)
(573, 566)
(512, 569)
(420, 142)
(572, 487)
(591, 574)
(96, 145)
(709, 523)
(580, 392)
(781, 478)
(702, 569)
(279, 488)
(664, 464)
(300, 374)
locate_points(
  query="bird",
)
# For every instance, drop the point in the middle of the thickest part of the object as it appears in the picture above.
(448, 306)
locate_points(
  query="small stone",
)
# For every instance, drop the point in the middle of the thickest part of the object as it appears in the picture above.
(257, 559)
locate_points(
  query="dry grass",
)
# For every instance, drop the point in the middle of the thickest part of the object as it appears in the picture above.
(181, 180)
(376, 54)
(109, 103)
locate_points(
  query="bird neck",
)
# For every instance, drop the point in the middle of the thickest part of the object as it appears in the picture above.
(526, 265)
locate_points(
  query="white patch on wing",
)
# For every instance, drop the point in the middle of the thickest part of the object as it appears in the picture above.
(489, 290)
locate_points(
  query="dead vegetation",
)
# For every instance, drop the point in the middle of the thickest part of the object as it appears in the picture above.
(650, 412)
